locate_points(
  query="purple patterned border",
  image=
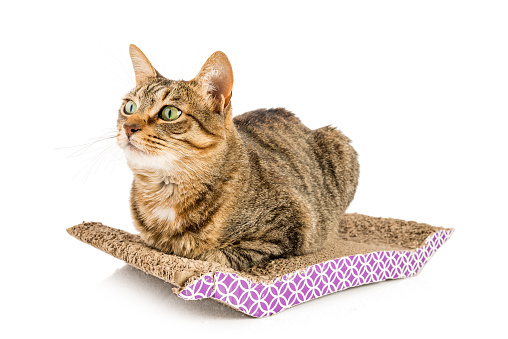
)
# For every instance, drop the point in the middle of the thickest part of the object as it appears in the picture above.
(261, 300)
(199, 289)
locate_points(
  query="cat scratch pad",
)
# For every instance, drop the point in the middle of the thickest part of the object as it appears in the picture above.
(369, 250)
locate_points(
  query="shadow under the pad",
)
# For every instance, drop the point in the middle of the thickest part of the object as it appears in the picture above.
(152, 288)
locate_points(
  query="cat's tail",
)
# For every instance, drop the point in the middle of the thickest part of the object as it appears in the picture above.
(339, 163)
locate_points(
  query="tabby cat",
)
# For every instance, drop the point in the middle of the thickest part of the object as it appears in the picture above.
(237, 191)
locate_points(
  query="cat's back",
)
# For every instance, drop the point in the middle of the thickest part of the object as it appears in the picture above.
(304, 178)
(273, 133)
(267, 122)
(319, 164)
(279, 147)
(281, 150)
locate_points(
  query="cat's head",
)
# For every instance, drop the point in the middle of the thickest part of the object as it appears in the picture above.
(166, 125)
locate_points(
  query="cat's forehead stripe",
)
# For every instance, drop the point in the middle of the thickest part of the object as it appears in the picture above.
(150, 87)
(165, 95)
(155, 88)
(157, 91)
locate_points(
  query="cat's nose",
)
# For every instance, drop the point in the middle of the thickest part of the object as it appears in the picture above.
(130, 129)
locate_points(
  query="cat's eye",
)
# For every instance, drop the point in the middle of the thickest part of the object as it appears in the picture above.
(130, 107)
(170, 113)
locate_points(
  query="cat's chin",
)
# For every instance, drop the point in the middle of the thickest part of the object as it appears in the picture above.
(138, 159)
(132, 148)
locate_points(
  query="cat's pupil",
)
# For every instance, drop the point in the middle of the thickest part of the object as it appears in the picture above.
(170, 113)
(130, 107)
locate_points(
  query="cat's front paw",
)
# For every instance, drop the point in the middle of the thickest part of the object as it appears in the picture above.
(217, 256)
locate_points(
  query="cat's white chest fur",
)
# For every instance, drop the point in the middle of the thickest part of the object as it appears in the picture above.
(154, 201)
(164, 214)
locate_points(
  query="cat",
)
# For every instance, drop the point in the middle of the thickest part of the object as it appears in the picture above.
(236, 191)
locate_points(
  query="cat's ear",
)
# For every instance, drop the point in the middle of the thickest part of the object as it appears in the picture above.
(216, 78)
(143, 69)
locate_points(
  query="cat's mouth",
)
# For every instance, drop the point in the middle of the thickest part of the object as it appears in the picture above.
(132, 147)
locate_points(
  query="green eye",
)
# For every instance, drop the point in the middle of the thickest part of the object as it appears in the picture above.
(170, 113)
(130, 107)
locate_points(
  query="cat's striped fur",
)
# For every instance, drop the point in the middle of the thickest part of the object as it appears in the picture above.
(235, 191)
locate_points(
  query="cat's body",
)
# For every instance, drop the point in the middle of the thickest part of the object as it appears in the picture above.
(235, 191)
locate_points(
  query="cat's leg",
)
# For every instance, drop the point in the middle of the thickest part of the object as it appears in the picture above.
(285, 229)
(215, 255)
(243, 255)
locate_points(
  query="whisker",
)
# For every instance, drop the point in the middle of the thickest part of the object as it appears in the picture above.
(93, 163)
(116, 61)
(93, 154)
(89, 150)
(88, 143)
(116, 156)
(85, 147)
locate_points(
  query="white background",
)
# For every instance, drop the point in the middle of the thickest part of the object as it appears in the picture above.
(420, 88)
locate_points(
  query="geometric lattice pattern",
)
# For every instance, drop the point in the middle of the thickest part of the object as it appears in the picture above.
(261, 300)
